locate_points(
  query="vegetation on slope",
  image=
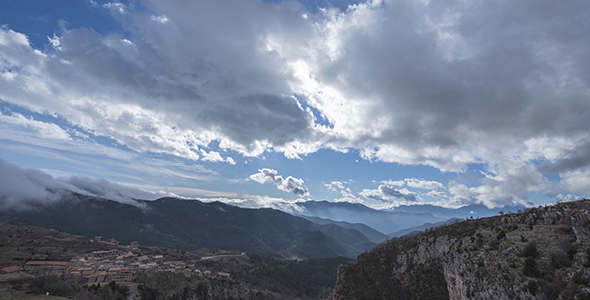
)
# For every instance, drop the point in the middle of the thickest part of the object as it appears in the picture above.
(19, 244)
(541, 253)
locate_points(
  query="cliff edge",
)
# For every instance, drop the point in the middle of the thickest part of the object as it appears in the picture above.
(540, 253)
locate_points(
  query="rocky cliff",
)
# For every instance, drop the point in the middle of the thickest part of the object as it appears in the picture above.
(540, 253)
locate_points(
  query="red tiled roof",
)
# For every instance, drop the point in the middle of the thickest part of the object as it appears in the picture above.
(10, 269)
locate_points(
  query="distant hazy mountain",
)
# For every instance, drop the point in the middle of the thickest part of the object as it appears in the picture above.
(380, 220)
(369, 232)
(473, 210)
(393, 220)
(415, 230)
(190, 224)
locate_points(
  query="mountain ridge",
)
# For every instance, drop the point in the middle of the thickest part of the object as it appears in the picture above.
(540, 253)
(191, 224)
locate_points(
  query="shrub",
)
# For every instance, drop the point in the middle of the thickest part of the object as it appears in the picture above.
(580, 279)
(530, 250)
(530, 267)
(533, 287)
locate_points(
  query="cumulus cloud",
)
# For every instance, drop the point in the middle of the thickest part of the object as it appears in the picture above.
(348, 196)
(20, 188)
(568, 197)
(577, 181)
(437, 194)
(442, 83)
(216, 157)
(335, 186)
(289, 184)
(387, 193)
(503, 184)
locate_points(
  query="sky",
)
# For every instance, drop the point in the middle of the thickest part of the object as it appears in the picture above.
(385, 103)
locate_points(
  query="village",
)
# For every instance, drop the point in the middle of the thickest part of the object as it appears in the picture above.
(120, 264)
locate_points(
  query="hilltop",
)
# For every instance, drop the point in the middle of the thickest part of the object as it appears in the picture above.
(539, 253)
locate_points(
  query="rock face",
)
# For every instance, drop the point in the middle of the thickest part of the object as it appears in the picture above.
(541, 253)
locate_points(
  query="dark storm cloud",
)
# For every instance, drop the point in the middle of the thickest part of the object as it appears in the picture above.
(575, 158)
(260, 117)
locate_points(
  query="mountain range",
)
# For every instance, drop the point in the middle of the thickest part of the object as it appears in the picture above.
(315, 229)
(392, 220)
(191, 224)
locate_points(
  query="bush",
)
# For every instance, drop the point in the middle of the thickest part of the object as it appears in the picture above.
(583, 296)
(530, 250)
(533, 287)
(560, 259)
(530, 267)
(580, 279)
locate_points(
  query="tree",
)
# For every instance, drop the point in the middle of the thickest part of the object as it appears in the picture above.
(530, 250)
(530, 267)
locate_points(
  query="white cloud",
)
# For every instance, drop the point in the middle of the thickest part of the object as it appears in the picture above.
(335, 186)
(256, 201)
(215, 157)
(120, 7)
(54, 41)
(387, 193)
(348, 196)
(46, 130)
(437, 194)
(416, 183)
(188, 192)
(504, 184)
(160, 19)
(423, 184)
(394, 182)
(577, 181)
(568, 197)
(19, 188)
(289, 184)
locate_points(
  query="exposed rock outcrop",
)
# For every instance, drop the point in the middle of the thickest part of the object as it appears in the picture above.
(541, 253)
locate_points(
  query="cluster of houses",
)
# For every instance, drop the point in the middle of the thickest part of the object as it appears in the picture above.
(121, 264)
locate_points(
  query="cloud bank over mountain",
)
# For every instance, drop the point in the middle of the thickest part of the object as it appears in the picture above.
(20, 187)
(449, 84)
